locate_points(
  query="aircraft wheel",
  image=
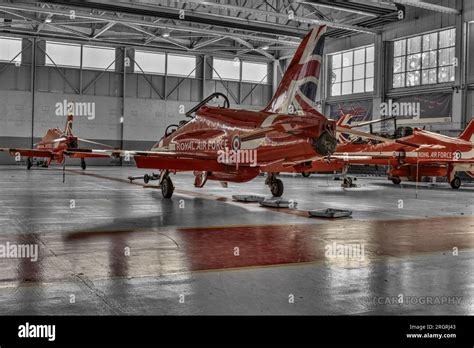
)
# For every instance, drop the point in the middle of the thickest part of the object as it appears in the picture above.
(456, 182)
(83, 164)
(146, 178)
(306, 174)
(396, 180)
(29, 163)
(167, 188)
(348, 182)
(277, 188)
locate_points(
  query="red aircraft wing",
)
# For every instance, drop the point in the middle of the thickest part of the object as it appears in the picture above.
(85, 153)
(28, 152)
(158, 159)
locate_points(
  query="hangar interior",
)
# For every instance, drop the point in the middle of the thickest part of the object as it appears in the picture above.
(136, 67)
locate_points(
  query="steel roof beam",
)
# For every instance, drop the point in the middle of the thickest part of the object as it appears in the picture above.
(251, 47)
(299, 19)
(144, 23)
(104, 29)
(191, 16)
(428, 6)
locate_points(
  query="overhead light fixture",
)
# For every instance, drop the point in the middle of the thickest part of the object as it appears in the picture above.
(165, 35)
(49, 19)
(266, 47)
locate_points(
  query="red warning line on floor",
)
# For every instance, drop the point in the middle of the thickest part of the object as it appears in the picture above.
(156, 252)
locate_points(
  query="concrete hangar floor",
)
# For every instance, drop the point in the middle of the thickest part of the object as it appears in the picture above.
(110, 247)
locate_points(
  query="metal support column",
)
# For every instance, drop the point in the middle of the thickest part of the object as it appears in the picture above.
(33, 88)
(165, 81)
(240, 83)
(203, 82)
(275, 76)
(124, 86)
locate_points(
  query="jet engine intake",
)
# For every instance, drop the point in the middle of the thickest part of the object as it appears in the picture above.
(325, 144)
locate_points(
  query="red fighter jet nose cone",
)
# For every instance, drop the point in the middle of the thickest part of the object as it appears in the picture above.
(325, 144)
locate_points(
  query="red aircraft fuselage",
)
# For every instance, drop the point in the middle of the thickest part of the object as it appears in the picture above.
(214, 132)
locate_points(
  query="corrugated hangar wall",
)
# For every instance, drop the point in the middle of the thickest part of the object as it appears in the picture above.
(146, 111)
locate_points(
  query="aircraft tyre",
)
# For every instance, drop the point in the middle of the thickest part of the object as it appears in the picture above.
(146, 178)
(276, 187)
(29, 163)
(456, 182)
(396, 180)
(83, 164)
(306, 174)
(167, 187)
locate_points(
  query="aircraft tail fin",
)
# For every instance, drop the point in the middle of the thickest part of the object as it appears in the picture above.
(468, 133)
(68, 127)
(298, 87)
(345, 119)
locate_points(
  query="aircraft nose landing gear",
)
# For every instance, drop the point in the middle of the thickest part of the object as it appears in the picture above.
(167, 187)
(456, 182)
(276, 185)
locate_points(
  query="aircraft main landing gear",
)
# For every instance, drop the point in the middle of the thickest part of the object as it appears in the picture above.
(456, 182)
(276, 185)
(83, 164)
(396, 180)
(347, 182)
(29, 163)
(167, 187)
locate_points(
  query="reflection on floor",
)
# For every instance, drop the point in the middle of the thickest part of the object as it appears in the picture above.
(110, 247)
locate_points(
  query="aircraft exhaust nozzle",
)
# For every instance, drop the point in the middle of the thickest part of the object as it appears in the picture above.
(325, 144)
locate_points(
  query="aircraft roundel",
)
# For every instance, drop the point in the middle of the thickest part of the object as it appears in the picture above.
(236, 143)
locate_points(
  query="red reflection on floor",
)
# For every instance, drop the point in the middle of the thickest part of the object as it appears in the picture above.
(139, 253)
(271, 245)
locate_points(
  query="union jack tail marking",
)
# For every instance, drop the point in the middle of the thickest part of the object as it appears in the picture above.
(298, 87)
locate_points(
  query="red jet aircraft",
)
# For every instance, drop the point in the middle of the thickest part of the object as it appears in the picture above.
(422, 153)
(411, 157)
(230, 145)
(54, 146)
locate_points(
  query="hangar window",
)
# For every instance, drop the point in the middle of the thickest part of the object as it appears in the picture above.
(10, 49)
(150, 62)
(425, 59)
(227, 69)
(254, 72)
(181, 65)
(351, 71)
(94, 57)
(63, 54)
